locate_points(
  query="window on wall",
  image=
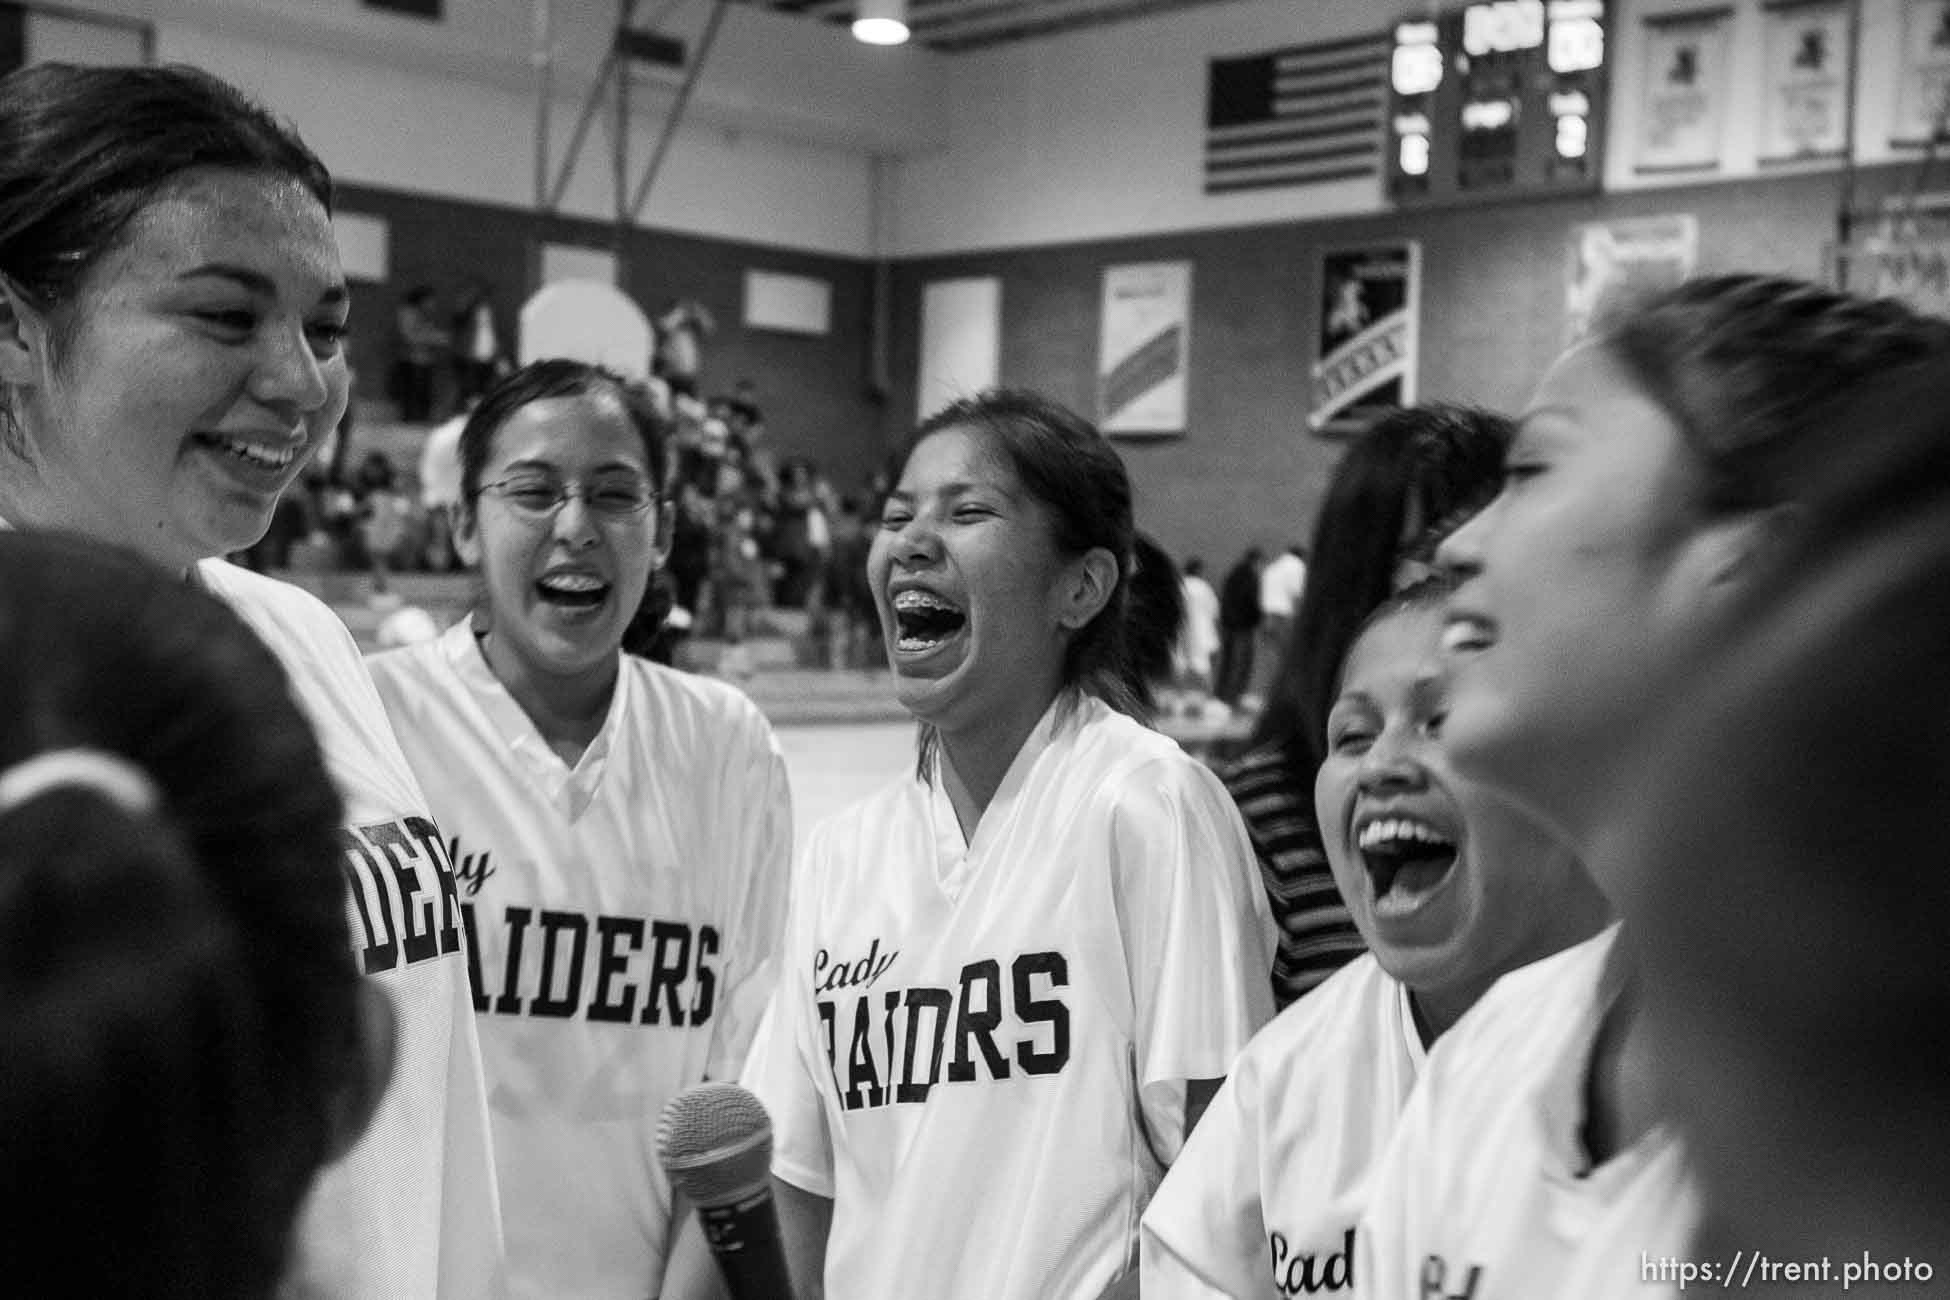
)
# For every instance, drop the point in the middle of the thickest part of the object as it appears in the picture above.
(31, 33)
(416, 8)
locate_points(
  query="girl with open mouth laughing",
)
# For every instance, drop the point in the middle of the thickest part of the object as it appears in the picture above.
(1012, 980)
(1450, 887)
(1643, 496)
(622, 834)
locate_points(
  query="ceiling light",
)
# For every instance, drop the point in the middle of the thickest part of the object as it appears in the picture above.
(881, 22)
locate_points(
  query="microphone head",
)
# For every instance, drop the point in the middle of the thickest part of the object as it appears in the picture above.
(715, 1142)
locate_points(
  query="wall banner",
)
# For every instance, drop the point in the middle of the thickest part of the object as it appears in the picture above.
(1143, 345)
(1367, 327)
(1612, 261)
(1805, 113)
(1684, 109)
(1923, 84)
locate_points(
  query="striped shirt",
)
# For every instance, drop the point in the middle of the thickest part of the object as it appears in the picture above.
(1317, 937)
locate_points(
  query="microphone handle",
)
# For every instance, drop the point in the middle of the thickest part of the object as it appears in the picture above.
(744, 1239)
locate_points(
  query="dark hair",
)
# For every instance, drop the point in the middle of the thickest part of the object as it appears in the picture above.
(1154, 619)
(1799, 750)
(82, 150)
(1426, 592)
(178, 1003)
(1412, 479)
(1749, 366)
(1072, 471)
(539, 381)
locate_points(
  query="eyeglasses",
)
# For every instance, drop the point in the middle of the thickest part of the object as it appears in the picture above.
(615, 499)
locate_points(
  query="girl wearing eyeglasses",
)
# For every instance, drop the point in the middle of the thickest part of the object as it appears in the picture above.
(625, 834)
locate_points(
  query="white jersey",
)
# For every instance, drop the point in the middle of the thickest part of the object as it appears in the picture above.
(1266, 1195)
(625, 914)
(1486, 1191)
(412, 1211)
(979, 1050)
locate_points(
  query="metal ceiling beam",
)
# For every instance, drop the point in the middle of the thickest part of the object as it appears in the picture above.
(1014, 19)
(969, 24)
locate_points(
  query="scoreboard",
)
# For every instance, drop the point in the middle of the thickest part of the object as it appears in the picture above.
(1499, 99)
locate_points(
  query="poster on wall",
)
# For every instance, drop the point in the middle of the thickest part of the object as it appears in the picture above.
(1617, 260)
(1367, 329)
(1142, 348)
(1805, 112)
(1923, 84)
(1679, 123)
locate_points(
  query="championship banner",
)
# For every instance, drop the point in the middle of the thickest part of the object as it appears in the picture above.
(1805, 112)
(1923, 85)
(1613, 261)
(1684, 107)
(1369, 308)
(1142, 348)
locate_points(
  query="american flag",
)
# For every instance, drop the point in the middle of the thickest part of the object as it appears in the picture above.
(1298, 116)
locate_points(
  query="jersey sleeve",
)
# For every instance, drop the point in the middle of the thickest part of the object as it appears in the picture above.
(759, 805)
(776, 1073)
(1196, 934)
(780, 1068)
(1204, 1235)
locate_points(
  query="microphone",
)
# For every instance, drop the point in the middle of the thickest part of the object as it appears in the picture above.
(715, 1141)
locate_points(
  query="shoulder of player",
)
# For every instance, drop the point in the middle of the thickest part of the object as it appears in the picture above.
(1518, 1028)
(416, 684)
(690, 698)
(268, 602)
(1123, 753)
(1311, 1039)
(404, 664)
(318, 653)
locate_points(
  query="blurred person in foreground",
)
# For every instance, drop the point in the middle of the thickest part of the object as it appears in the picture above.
(184, 1038)
(1643, 496)
(1787, 898)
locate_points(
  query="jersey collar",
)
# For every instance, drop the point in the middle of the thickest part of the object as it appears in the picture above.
(570, 789)
(955, 859)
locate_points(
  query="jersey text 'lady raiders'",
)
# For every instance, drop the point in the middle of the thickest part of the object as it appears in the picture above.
(1029, 1004)
(622, 915)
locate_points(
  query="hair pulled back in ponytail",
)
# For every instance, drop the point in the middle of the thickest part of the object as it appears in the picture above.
(179, 1013)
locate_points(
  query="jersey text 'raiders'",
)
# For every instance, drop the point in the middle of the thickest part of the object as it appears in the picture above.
(403, 890)
(900, 1043)
(593, 967)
